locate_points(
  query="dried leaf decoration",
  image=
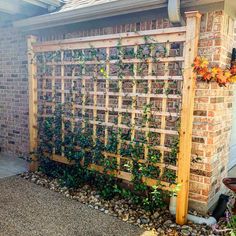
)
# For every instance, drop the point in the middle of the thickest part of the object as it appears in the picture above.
(221, 76)
(200, 63)
(207, 76)
(233, 70)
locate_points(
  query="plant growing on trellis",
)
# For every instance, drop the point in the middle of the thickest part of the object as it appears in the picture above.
(100, 153)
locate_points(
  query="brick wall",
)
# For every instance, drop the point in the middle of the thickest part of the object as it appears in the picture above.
(213, 105)
(212, 115)
(13, 93)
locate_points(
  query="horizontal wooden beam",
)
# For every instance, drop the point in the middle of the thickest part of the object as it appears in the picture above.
(125, 61)
(175, 34)
(119, 174)
(116, 94)
(114, 109)
(115, 78)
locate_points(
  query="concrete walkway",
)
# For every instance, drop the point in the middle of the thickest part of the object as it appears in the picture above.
(27, 209)
(10, 166)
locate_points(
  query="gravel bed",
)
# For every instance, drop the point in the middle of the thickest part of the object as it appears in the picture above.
(160, 222)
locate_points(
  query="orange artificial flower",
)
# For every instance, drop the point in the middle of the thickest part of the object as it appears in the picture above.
(204, 62)
(232, 79)
(200, 63)
(196, 63)
(215, 71)
(202, 71)
(227, 73)
(233, 70)
(207, 76)
(222, 77)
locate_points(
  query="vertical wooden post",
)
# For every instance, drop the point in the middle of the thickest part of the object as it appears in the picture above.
(185, 145)
(62, 103)
(164, 109)
(107, 96)
(32, 102)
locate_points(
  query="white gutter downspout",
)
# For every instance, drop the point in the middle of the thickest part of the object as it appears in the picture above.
(174, 11)
(195, 219)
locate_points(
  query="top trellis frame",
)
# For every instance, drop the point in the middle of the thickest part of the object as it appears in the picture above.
(188, 35)
(176, 34)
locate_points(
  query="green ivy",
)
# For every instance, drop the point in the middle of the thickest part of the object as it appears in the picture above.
(79, 144)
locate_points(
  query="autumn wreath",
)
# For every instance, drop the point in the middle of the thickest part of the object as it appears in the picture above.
(206, 73)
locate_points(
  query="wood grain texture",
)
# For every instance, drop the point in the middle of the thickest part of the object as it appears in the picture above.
(188, 93)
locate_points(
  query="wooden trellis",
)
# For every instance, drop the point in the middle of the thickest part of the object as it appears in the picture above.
(97, 91)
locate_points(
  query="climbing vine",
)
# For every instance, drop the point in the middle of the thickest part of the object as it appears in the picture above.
(99, 153)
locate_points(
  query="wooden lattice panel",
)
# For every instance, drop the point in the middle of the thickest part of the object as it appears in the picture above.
(124, 82)
(108, 97)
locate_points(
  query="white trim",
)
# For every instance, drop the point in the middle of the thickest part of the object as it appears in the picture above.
(10, 7)
(232, 151)
(88, 13)
(99, 11)
(232, 159)
(36, 3)
(55, 3)
(44, 3)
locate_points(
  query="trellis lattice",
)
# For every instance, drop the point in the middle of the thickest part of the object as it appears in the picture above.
(134, 90)
(131, 84)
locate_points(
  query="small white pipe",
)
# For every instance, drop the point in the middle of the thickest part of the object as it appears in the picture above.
(195, 219)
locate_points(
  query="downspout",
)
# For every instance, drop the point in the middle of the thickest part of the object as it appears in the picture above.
(174, 11)
(196, 219)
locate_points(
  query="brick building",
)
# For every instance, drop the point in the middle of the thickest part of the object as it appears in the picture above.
(213, 112)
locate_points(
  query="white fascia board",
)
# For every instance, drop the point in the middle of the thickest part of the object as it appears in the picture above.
(55, 3)
(37, 3)
(44, 3)
(88, 13)
(10, 7)
(99, 11)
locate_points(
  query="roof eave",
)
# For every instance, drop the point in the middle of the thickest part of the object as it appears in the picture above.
(88, 13)
(98, 11)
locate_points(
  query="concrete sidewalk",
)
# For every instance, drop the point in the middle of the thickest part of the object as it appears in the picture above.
(27, 209)
(10, 166)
